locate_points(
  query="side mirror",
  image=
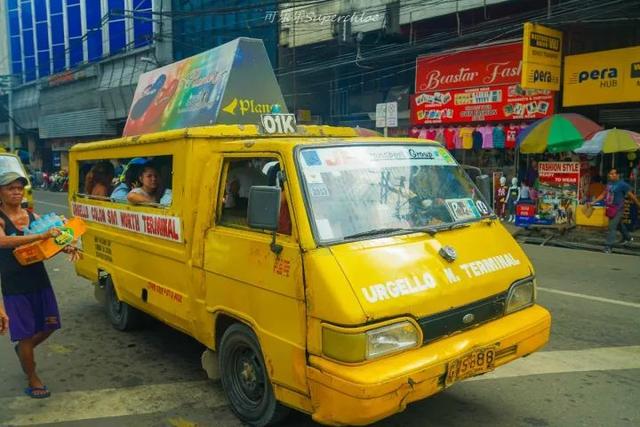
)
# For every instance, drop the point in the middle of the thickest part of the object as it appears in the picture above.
(263, 211)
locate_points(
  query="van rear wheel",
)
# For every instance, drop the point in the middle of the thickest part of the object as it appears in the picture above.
(244, 378)
(122, 316)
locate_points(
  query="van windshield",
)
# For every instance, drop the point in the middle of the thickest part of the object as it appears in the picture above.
(11, 164)
(372, 190)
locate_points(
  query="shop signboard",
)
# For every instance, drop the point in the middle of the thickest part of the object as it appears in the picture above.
(558, 187)
(541, 57)
(230, 84)
(604, 77)
(484, 66)
(492, 103)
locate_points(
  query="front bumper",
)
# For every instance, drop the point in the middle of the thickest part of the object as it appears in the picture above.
(363, 394)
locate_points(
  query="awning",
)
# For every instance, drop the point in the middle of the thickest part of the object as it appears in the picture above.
(88, 122)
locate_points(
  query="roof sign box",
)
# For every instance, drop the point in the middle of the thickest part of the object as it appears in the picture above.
(230, 84)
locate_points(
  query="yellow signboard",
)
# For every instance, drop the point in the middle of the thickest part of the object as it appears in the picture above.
(541, 57)
(605, 77)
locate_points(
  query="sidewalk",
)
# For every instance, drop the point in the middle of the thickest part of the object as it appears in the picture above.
(585, 238)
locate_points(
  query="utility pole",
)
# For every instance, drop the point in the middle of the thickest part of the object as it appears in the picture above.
(10, 121)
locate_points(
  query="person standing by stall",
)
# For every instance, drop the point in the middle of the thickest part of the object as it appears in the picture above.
(615, 193)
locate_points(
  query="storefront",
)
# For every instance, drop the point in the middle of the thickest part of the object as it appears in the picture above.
(471, 101)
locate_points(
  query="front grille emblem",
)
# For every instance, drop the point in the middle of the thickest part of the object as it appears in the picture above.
(468, 318)
(448, 253)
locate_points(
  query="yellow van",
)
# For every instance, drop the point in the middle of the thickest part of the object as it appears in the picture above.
(12, 163)
(338, 275)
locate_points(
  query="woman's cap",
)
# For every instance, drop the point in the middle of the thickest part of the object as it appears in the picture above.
(9, 177)
(137, 161)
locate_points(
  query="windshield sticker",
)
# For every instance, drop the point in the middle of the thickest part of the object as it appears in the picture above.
(349, 158)
(399, 287)
(482, 207)
(318, 190)
(462, 209)
(324, 229)
(311, 158)
(313, 177)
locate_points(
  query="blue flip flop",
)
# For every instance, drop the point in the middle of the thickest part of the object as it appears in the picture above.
(29, 391)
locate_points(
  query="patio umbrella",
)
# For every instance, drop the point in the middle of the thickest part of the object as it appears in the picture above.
(556, 134)
(611, 141)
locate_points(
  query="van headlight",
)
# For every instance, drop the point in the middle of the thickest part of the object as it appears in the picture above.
(521, 295)
(365, 344)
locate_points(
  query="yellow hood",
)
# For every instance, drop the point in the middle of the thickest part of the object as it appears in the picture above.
(406, 274)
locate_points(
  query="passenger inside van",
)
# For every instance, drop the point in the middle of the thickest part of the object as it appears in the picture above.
(273, 179)
(128, 180)
(98, 179)
(241, 177)
(150, 189)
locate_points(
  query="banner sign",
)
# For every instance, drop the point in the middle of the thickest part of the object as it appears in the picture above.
(559, 172)
(230, 84)
(605, 77)
(541, 57)
(492, 65)
(161, 226)
(493, 103)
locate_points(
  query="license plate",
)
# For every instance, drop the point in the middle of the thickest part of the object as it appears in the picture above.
(476, 362)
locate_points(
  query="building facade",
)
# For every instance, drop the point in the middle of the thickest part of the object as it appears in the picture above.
(74, 67)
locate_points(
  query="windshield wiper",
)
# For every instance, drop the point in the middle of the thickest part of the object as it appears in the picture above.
(433, 230)
(376, 231)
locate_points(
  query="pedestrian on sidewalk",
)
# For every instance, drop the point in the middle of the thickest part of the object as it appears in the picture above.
(28, 297)
(613, 195)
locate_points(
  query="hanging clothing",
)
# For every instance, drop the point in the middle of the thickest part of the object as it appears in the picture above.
(449, 138)
(498, 137)
(511, 135)
(466, 136)
(477, 140)
(431, 134)
(487, 136)
(457, 141)
(439, 135)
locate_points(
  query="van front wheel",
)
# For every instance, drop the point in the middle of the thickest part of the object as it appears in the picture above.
(244, 378)
(122, 316)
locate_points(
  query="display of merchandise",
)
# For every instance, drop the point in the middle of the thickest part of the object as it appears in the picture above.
(501, 197)
(466, 135)
(511, 134)
(439, 135)
(449, 138)
(498, 137)
(513, 195)
(487, 136)
(44, 224)
(431, 134)
(477, 140)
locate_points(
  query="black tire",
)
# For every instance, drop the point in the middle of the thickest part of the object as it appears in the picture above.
(122, 316)
(244, 378)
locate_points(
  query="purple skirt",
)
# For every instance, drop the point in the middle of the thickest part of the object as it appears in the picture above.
(32, 313)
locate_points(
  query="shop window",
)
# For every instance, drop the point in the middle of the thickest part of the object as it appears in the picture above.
(144, 181)
(241, 175)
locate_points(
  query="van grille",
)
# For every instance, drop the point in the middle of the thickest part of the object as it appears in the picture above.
(448, 322)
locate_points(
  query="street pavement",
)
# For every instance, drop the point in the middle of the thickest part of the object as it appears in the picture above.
(588, 374)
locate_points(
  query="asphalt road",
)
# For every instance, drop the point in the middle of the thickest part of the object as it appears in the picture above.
(588, 375)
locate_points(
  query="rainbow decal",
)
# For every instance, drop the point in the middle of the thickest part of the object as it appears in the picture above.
(230, 84)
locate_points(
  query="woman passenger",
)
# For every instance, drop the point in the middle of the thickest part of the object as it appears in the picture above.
(98, 180)
(150, 190)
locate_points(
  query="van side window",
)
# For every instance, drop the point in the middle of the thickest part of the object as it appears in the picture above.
(139, 180)
(241, 175)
